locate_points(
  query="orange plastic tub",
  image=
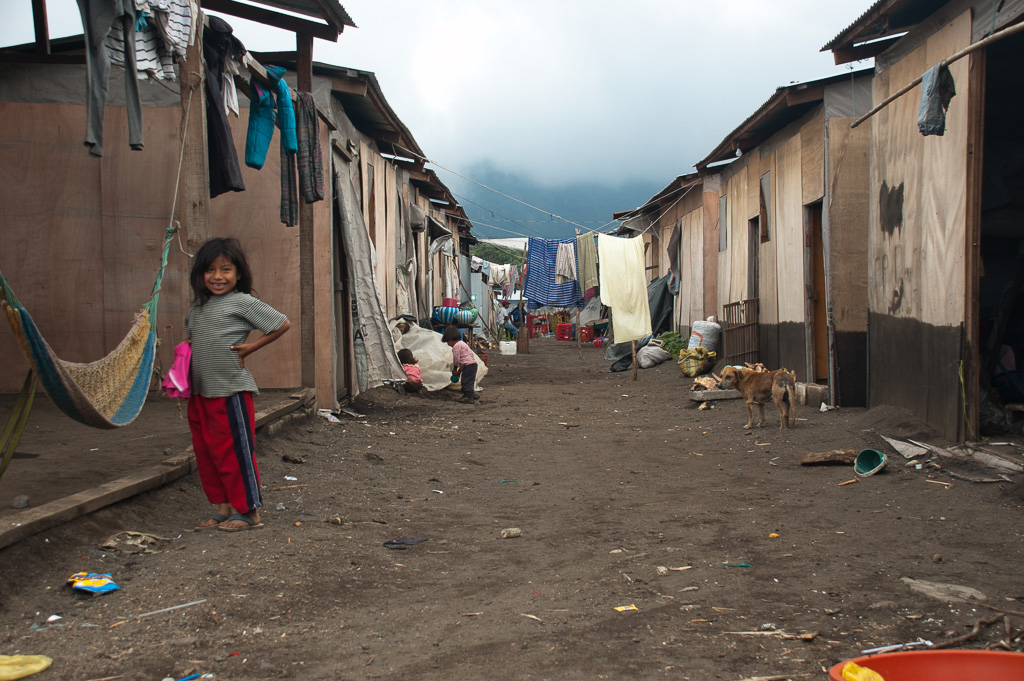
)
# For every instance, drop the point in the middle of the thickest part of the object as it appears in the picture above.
(941, 665)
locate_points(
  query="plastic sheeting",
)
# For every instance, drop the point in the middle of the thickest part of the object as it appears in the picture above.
(381, 357)
(433, 357)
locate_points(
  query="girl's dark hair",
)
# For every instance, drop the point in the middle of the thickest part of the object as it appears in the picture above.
(405, 356)
(451, 333)
(230, 249)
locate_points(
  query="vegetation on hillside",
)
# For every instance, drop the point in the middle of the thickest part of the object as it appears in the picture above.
(500, 255)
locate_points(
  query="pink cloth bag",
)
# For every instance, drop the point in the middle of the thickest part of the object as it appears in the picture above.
(176, 383)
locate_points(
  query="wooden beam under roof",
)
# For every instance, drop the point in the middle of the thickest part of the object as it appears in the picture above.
(327, 13)
(270, 18)
(805, 95)
(36, 58)
(40, 24)
(845, 55)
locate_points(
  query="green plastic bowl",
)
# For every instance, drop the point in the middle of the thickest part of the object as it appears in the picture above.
(868, 462)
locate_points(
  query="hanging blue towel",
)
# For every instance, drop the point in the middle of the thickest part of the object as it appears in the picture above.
(285, 110)
(261, 125)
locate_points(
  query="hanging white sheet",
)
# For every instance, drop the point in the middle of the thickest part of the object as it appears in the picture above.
(624, 286)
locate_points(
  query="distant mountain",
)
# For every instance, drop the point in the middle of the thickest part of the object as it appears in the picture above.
(588, 204)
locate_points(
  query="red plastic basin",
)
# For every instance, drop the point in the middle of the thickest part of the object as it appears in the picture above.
(941, 665)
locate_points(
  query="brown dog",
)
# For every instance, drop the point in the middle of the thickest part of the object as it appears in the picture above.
(757, 387)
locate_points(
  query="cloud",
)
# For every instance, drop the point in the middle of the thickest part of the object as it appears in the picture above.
(568, 91)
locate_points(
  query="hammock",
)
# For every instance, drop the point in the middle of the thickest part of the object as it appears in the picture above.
(107, 393)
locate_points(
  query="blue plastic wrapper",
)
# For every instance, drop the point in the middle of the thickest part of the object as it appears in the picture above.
(92, 582)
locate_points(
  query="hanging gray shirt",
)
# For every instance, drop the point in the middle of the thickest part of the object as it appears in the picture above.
(214, 327)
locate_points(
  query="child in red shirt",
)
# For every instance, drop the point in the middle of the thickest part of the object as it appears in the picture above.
(412, 371)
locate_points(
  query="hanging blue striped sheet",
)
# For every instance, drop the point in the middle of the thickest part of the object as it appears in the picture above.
(540, 287)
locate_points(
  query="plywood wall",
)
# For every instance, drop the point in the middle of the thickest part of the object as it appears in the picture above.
(82, 236)
(812, 159)
(917, 211)
(709, 198)
(789, 229)
(768, 251)
(849, 197)
(732, 263)
(691, 285)
(393, 191)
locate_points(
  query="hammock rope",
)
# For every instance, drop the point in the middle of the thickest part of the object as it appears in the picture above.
(107, 393)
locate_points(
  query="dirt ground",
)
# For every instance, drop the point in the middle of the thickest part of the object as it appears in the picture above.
(733, 560)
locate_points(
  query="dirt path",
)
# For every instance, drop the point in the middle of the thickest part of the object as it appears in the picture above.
(609, 480)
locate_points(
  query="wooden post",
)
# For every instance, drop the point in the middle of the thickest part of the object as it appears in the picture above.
(41, 28)
(523, 344)
(194, 192)
(579, 340)
(634, 359)
(307, 307)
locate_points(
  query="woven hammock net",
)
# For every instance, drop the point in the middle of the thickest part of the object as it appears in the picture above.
(107, 393)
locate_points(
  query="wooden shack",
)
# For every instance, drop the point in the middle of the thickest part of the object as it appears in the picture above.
(679, 225)
(945, 234)
(792, 245)
(83, 235)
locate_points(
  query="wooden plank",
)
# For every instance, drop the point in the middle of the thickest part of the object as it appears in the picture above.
(297, 401)
(326, 327)
(307, 303)
(261, 15)
(972, 244)
(392, 215)
(711, 225)
(40, 518)
(709, 395)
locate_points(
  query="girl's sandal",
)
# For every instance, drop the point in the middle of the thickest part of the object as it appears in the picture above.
(216, 518)
(249, 523)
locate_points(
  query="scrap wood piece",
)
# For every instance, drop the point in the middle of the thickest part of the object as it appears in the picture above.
(969, 636)
(1004, 610)
(778, 677)
(835, 457)
(946, 592)
(909, 451)
(973, 478)
(349, 412)
(132, 538)
(704, 383)
(977, 456)
(996, 459)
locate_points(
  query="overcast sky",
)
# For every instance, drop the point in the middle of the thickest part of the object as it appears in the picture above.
(562, 91)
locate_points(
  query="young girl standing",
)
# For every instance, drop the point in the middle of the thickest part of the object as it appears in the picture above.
(220, 411)
(463, 363)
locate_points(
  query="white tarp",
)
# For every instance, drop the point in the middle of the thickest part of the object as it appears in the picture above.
(433, 357)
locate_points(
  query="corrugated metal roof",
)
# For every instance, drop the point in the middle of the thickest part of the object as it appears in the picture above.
(776, 113)
(653, 202)
(884, 18)
(842, 34)
(312, 8)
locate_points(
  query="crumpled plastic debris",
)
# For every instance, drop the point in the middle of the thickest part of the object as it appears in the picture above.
(92, 582)
(19, 666)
